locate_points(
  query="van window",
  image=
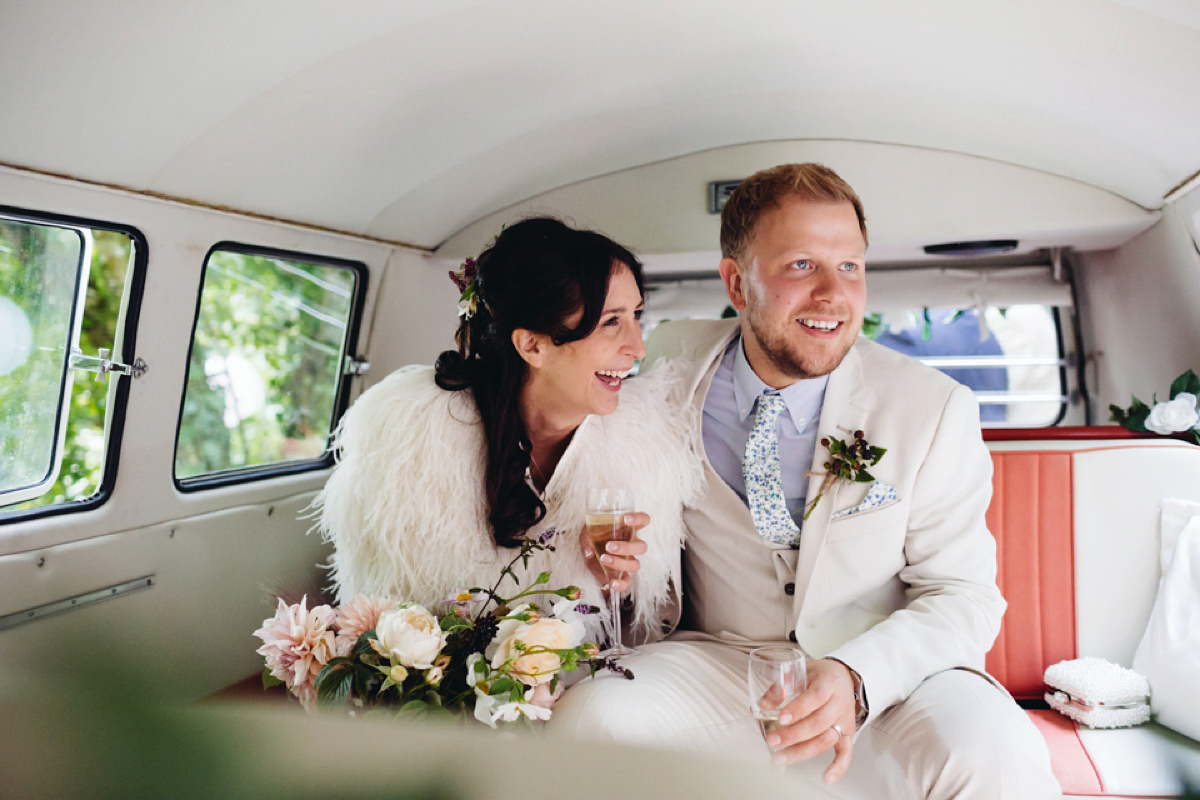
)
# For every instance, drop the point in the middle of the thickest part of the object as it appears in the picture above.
(1008, 356)
(265, 372)
(62, 290)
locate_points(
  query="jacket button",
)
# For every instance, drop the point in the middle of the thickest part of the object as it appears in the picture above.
(792, 636)
(789, 589)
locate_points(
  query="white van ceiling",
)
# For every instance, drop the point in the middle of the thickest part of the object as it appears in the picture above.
(407, 121)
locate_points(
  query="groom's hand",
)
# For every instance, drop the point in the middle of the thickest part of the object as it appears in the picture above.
(828, 701)
(617, 558)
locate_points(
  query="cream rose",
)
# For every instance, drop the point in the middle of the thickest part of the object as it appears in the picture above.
(535, 668)
(1174, 416)
(410, 635)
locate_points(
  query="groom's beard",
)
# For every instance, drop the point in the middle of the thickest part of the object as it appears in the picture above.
(798, 359)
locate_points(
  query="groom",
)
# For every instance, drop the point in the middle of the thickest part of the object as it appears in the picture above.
(887, 584)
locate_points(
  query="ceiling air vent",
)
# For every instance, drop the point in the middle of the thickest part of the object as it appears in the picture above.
(979, 247)
(718, 193)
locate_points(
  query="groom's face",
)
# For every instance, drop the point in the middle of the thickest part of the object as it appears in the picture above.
(800, 288)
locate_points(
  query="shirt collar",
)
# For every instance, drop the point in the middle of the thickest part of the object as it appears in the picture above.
(798, 397)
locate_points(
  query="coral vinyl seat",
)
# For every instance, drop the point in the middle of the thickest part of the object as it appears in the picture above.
(1075, 514)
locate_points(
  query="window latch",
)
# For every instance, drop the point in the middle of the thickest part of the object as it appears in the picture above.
(102, 365)
(356, 367)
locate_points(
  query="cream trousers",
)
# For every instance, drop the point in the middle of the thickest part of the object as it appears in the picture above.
(956, 736)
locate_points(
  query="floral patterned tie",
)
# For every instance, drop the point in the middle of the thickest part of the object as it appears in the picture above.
(764, 481)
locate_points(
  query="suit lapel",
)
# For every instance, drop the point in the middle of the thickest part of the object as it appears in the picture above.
(842, 413)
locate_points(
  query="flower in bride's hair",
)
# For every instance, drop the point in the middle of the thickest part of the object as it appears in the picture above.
(356, 617)
(410, 635)
(465, 274)
(297, 642)
(465, 280)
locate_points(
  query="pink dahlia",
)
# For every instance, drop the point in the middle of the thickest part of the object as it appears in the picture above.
(297, 642)
(356, 617)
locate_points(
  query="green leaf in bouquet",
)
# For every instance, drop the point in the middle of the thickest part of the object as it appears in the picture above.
(864, 477)
(412, 709)
(571, 658)
(335, 688)
(364, 680)
(543, 577)
(330, 666)
(1187, 382)
(269, 680)
(507, 685)
(363, 646)
(453, 622)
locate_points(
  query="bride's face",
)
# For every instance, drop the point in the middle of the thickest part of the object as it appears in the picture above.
(585, 377)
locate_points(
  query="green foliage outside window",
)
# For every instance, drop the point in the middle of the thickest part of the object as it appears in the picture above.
(265, 364)
(83, 453)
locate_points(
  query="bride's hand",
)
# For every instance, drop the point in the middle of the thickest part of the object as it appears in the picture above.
(618, 557)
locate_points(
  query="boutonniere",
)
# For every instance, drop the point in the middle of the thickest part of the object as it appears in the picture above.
(1177, 415)
(846, 462)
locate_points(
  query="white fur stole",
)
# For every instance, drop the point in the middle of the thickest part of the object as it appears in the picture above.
(405, 512)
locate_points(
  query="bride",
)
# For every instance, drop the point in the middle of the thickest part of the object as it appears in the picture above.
(443, 470)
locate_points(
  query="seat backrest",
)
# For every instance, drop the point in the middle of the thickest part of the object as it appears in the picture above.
(1076, 524)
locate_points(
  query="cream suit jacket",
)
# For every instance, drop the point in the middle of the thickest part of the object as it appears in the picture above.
(898, 592)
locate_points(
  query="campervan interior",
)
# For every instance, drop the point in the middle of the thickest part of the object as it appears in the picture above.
(221, 221)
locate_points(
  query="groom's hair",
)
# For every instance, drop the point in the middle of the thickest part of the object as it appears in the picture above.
(768, 188)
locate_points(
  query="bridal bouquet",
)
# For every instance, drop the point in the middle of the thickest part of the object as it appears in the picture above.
(481, 652)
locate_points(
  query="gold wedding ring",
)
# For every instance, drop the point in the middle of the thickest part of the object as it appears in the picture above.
(838, 730)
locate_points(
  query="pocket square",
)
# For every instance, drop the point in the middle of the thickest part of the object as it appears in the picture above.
(879, 494)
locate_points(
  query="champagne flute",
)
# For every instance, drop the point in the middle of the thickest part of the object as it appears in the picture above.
(778, 674)
(605, 522)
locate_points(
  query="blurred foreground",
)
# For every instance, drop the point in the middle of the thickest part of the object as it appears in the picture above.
(105, 732)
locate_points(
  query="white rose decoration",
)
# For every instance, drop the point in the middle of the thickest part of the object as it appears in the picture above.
(411, 635)
(1174, 416)
(536, 668)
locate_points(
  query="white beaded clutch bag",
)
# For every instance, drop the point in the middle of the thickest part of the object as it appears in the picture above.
(1098, 693)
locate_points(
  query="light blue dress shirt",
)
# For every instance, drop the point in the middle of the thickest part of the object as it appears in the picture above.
(729, 418)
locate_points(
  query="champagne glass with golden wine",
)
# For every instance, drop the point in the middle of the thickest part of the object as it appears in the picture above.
(778, 675)
(605, 522)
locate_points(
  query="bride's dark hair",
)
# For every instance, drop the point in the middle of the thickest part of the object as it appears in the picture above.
(537, 275)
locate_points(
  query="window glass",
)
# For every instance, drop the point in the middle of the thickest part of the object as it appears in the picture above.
(41, 267)
(265, 370)
(83, 450)
(1009, 357)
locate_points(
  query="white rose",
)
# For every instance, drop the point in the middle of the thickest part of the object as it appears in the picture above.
(1175, 415)
(508, 627)
(410, 635)
(535, 668)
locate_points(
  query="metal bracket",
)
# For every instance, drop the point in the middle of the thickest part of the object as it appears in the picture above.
(356, 367)
(78, 601)
(102, 365)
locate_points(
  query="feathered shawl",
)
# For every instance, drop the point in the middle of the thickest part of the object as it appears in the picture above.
(405, 512)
